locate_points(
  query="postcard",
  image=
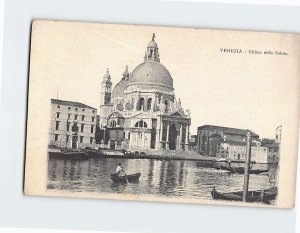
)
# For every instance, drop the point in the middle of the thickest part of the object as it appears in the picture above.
(165, 114)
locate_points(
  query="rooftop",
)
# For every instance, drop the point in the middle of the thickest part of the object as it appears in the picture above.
(228, 130)
(70, 103)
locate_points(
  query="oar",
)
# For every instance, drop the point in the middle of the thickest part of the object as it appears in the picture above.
(126, 178)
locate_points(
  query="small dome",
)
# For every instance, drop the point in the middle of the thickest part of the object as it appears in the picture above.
(151, 73)
(152, 44)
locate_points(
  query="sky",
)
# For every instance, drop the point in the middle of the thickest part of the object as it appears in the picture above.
(240, 90)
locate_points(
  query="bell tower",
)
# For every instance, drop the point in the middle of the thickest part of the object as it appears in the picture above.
(106, 89)
(105, 102)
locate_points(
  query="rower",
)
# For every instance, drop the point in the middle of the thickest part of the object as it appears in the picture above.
(119, 169)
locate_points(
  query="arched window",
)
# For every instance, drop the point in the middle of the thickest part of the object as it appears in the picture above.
(149, 103)
(141, 124)
(113, 123)
(141, 104)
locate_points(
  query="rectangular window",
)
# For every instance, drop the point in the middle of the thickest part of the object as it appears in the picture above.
(56, 137)
(92, 129)
(68, 138)
(75, 117)
(81, 139)
(69, 116)
(82, 127)
(57, 115)
(82, 118)
(91, 140)
(69, 108)
(68, 126)
(93, 119)
(57, 125)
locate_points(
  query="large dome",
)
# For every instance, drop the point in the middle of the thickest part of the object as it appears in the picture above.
(118, 90)
(150, 74)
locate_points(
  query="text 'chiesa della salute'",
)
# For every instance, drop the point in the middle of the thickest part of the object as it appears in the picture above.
(141, 111)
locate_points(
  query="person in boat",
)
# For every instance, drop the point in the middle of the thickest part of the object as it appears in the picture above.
(229, 163)
(119, 169)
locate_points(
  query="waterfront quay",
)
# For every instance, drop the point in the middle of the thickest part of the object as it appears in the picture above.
(147, 154)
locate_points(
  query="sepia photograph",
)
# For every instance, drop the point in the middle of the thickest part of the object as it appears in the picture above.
(168, 114)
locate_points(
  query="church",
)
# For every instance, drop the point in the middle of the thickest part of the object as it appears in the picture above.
(141, 112)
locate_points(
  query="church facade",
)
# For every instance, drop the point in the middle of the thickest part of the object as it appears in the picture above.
(141, 112)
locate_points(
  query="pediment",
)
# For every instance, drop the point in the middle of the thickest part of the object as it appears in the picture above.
(116, 115)
(177, 115)
(141, 115)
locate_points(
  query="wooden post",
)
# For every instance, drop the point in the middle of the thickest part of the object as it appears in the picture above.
(247, 166)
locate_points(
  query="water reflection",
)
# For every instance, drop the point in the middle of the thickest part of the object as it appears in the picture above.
(160, 178)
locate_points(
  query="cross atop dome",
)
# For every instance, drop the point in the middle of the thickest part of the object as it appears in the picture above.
(152, 53)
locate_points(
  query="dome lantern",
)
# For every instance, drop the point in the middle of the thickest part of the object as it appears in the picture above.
(152, 51)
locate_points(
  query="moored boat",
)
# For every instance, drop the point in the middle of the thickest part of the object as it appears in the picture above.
(265, 196)
(133, 178)
(241, 170)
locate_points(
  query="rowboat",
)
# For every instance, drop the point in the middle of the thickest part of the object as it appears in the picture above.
(133, 178)
(241, 170)
(265, 196)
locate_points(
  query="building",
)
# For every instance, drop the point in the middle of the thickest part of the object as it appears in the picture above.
(237, 152)
(211, 139)
(73, 124)
(273, 149)
(141, 111)
(193, 142)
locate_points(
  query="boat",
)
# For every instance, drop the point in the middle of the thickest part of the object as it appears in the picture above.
(133, 178)
(265, 196)
(241, 170)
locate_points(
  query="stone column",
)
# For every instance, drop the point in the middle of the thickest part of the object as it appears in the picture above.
(187, 137)
(157, 139)
(167, 139)
(71, 138)
(161, 133)
(180, 137)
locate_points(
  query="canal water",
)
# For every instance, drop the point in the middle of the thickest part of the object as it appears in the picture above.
(175, 178)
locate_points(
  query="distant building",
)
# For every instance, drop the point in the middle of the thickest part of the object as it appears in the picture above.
(237, 152)
(273, 149)
(73, 124)
(193, 142)
(212, 140)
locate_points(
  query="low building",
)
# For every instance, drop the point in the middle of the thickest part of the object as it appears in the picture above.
(73, 124)
(210, 137)
(237, 152)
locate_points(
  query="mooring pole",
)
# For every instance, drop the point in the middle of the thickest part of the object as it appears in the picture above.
(247, 166)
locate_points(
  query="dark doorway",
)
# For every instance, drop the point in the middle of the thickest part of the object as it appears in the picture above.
(172, 137)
